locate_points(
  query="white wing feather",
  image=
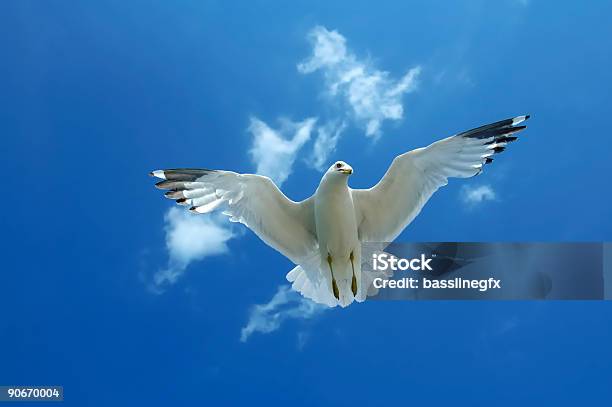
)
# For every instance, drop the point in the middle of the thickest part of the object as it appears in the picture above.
(252, 200)
(384, 210)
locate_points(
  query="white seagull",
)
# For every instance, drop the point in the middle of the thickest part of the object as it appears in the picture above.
(323, 234)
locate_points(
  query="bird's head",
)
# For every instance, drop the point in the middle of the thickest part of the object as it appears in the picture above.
(340, 168)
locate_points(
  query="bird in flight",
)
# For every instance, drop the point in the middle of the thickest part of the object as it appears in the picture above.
(323, 234)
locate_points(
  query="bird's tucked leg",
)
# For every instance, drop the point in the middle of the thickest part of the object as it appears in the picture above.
(334, 284)
(354, 280)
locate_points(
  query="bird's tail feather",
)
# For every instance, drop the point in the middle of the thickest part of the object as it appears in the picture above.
(309, 280)
(311, 285)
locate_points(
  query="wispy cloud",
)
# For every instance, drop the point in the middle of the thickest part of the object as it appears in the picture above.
(302, 340)
(371, 94)
(325, 144)
(285, 304)
(507, 325)
(189, 238)
(474, 195)
(274, 151)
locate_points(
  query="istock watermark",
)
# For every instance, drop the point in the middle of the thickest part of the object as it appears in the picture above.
(386, 261)
(490, 271)
(409, 282)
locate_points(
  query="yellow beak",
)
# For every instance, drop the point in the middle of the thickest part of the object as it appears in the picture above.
(347, 171)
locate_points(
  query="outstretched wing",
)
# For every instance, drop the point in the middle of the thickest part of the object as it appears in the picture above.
(253, 200)
(384, 210)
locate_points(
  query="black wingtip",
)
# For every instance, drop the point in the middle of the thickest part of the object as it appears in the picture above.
(488, 160)
(496, 129)
(527, 116)
(506, 139)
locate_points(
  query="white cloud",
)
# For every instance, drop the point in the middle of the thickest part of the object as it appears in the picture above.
(472, 195)
(285, 304)
(325, 144)
(189, 238)
(371, 94)
(273, 152)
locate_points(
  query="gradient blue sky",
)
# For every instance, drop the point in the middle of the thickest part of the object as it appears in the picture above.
(93, 95)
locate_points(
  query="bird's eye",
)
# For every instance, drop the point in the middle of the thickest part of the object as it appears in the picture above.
(338, 165)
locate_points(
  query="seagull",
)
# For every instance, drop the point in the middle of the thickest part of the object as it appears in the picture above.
(323, 235)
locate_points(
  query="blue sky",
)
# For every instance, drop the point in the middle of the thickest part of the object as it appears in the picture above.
(93, 96)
